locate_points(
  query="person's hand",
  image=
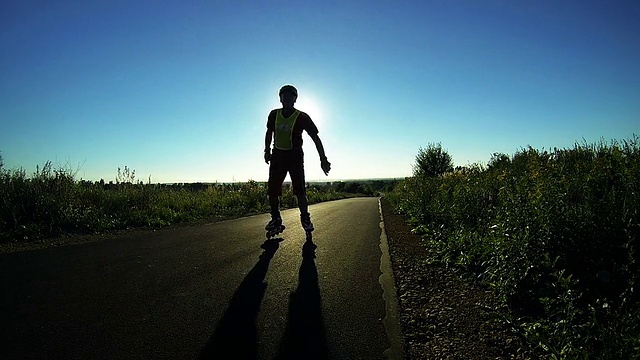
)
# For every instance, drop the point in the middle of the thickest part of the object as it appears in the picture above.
(326, 166)
(267, 156)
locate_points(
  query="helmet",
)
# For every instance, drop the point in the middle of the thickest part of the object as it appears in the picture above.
(288, 88)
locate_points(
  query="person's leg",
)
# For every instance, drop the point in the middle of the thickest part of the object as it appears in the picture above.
(305, 217)
(296, 171)
(276, 177)
(274, 203)
(303, 203)
(298, 183)
(277, 173)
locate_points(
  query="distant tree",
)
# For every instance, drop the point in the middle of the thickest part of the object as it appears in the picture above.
(365, 189)
(339, 185)
(352, 187)
(1, 161)
(432, 161)
(499, 161)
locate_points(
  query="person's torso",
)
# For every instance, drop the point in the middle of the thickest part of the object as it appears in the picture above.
(287, 134)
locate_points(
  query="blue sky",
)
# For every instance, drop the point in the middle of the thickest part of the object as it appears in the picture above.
(180, 90)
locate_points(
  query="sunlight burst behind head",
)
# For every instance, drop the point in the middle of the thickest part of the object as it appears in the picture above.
(310, 105)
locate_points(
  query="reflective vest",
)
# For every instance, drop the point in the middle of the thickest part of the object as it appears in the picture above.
(284, 130)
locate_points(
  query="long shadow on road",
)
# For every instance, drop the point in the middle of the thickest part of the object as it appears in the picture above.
(305, 336)
(236, 332)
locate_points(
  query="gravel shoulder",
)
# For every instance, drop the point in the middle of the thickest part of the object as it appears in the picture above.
(444, 316)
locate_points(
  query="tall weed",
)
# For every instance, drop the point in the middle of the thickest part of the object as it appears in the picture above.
(51, 202)
(554, 232)
(35, 204)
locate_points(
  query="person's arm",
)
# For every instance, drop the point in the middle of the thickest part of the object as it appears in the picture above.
(324, 163)
(268, 136)
(267, 145)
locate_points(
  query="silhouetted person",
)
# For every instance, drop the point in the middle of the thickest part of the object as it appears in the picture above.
(285, 127)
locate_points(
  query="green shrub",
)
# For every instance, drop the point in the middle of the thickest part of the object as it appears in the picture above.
(51, 202)
(432, 161)
(36, 204)
(554, 232)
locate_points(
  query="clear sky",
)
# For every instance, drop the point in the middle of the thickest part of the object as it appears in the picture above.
(180, 90)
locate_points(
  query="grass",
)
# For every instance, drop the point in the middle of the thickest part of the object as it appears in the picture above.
(51, 202)
(555, 233)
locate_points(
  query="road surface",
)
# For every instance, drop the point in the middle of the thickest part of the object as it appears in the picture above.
(207, 291)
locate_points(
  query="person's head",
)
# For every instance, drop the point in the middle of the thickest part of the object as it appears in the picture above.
(288, 96)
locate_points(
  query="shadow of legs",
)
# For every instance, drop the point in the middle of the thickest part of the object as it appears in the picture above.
(236, 332)
(305, 337)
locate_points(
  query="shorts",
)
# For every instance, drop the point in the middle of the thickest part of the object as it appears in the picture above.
(283, 161)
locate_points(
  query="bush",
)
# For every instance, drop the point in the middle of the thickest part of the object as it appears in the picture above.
(432, 161)
(554, 232)
(37, 204)
(51, 202)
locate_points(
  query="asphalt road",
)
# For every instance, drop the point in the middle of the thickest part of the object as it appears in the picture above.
(211, 291)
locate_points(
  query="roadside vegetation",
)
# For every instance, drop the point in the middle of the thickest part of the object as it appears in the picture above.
(554, 233)
(51, 202)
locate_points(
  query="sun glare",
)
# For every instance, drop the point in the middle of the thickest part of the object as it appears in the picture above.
(311, 107)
